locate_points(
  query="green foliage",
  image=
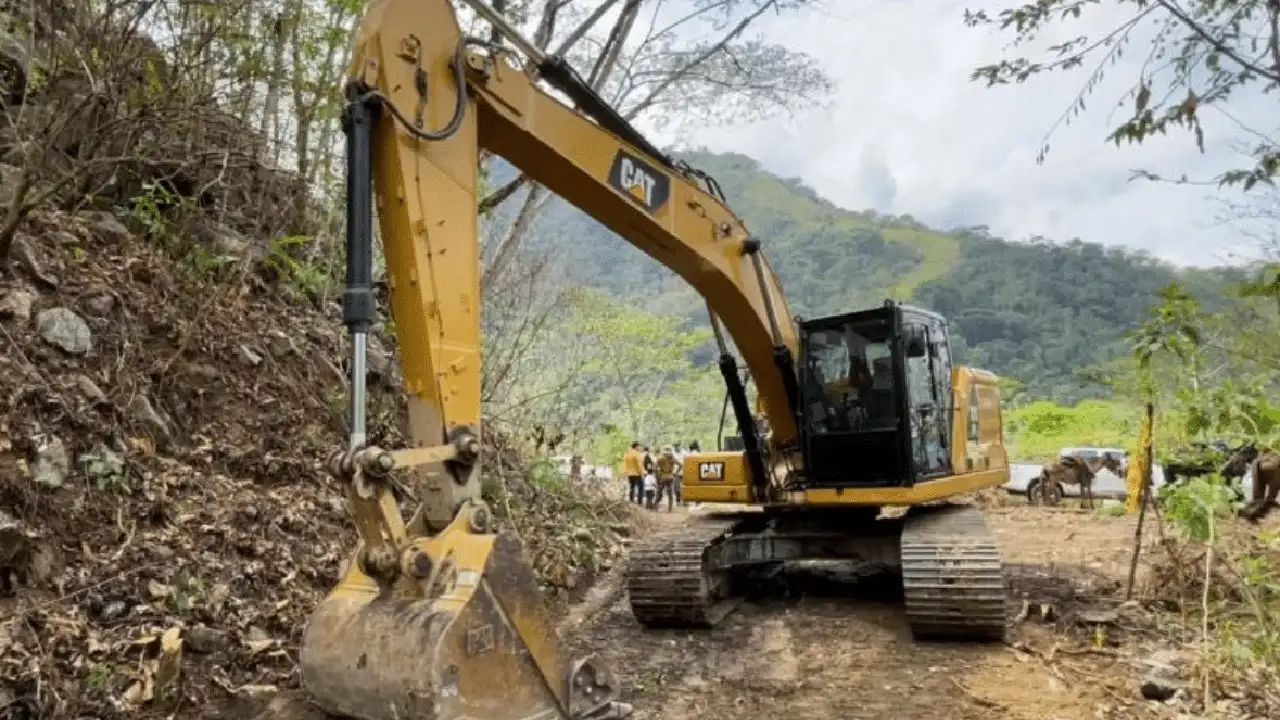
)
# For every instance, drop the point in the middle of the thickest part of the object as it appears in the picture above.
(106, 469)
(312, 278)
(1198, 505)
(1199, 54)
(154, 210)
(1039, 430)
(607, 373)
(640, 365)
(99, 678)
(1037, 313)
(544, 474)
(147, 209)
(1112, 510)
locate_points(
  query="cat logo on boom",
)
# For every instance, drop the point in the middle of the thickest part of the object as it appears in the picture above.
(638, 180)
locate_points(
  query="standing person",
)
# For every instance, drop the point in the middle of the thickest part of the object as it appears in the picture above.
(633, 469)
(650, 491)
(694, 449)
(648, 461)
(680, 453)
(668, 470)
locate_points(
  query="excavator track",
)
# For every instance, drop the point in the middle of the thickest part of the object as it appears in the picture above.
(669, 581)
(952, 577)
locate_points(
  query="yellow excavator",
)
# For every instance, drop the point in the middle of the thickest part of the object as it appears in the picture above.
(439, 616)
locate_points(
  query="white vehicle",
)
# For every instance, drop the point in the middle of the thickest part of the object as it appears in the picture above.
(1106, 484)
(1092, 453)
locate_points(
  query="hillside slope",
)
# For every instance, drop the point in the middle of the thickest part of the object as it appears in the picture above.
(163, 428)
(1037, 312)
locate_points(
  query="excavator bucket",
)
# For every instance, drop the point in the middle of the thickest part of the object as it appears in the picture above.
(477, 644)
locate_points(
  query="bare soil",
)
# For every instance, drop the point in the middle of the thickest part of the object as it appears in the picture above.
(830, 649)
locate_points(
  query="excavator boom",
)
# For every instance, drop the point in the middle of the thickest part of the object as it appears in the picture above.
(439, 616)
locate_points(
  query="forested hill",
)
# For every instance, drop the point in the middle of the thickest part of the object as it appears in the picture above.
(1037, 312)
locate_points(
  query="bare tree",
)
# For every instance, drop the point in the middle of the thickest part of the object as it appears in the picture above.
(1201, 54)
(649, 69)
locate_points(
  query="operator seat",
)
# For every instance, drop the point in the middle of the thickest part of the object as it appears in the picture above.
(882, 405)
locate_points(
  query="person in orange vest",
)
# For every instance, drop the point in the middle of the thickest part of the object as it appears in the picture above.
(633, 470)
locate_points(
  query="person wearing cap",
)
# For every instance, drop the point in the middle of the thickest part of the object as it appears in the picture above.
(668, 468)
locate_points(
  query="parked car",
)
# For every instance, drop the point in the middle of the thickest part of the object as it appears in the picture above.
(1024, 479)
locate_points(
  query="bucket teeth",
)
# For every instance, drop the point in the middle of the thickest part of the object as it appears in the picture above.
(952, 576)
(670, 583)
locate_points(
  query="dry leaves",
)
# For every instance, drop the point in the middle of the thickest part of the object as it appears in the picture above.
(188, 578)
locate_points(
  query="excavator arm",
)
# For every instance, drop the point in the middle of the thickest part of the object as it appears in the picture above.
(439, 616)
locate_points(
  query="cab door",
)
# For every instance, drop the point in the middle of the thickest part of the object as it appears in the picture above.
(929, 397)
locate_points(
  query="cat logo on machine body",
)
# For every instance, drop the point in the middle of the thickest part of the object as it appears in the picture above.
(644, 184)
(711, 471)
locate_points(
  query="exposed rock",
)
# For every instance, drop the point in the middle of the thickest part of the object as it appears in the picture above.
(204, 639)
(1158, 688)
(1098, 617)
(280, 344)
(105, 225)
(142, 409)
(377, 360)
(166, 346)
(251, 358)
(10, 176)
(98, 302)
(27, 257)
(1161, 681)
(62, 237)
(64, 329)
(44, 562)
(16, 304)
(90, 390)
(224, 240)
(12, 539)
(52, 461)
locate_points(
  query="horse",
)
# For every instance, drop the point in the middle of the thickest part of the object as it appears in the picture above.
(1265, 464)
(1072, 470)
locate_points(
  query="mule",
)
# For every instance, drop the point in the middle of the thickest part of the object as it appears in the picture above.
(1071, 470)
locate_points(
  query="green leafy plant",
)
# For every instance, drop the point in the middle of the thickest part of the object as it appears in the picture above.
(311, 278)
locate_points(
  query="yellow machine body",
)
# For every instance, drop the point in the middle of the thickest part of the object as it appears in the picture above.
(977, 454)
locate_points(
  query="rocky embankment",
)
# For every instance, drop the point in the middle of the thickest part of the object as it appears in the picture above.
(165, 523)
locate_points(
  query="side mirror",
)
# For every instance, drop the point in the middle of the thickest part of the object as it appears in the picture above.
(917, 343)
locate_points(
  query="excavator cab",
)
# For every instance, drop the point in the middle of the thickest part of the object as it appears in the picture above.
(876, 385)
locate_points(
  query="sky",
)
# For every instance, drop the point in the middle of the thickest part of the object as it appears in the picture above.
(909, 133)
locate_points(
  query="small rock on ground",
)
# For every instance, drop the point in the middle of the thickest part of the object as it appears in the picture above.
(65, 330)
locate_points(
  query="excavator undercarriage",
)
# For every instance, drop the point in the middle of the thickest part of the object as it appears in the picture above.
(950, 566)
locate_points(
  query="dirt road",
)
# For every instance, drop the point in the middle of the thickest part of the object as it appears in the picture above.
(827, 649)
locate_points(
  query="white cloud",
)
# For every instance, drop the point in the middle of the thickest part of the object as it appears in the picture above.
(910, 133)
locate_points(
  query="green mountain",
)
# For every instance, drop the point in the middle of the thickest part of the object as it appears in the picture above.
(1037, 312)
